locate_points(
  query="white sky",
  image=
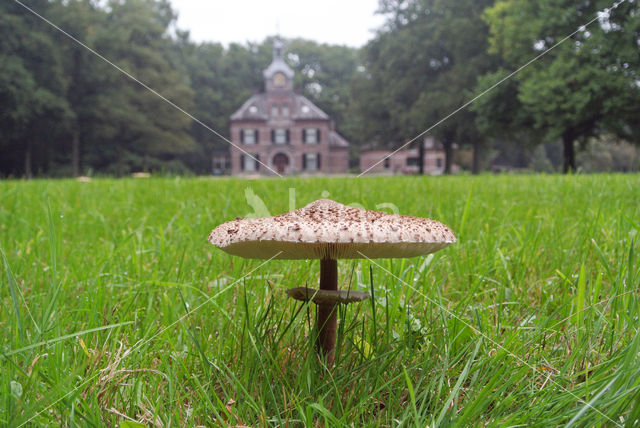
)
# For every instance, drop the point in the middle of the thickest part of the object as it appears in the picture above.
(343, 22)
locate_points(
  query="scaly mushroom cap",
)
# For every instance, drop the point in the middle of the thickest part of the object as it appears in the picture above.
(325, 229)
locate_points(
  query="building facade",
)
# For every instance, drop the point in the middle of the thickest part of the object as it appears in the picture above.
(404, 161)
(282, 132)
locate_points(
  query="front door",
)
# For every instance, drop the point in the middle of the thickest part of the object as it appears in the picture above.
(280, 162)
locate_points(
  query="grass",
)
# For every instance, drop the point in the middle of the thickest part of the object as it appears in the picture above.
(115, 308)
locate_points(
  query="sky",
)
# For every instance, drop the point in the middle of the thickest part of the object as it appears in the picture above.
(343, 22)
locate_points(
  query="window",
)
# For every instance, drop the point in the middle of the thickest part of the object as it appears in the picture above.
(285, 111)
(274, 111)
(249, 136)
(412, 161)
(311, 136)
(219, 162)
(280, 136)
(249, 163)
(311, 161)
(253, 109)
(387, 163)
(439, 162)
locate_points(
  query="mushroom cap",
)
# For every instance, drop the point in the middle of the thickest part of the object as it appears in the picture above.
(325, 229)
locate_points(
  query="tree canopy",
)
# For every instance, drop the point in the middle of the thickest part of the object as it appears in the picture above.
(584, 86)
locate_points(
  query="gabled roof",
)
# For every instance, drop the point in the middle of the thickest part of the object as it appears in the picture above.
(336, 140)
(248, 112)
(305, 109)
(255, 108)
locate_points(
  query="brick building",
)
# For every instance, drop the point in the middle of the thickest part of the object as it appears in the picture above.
(285, 130)
(404, 161)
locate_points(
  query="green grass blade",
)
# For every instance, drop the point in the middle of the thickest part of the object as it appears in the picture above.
(14, 295)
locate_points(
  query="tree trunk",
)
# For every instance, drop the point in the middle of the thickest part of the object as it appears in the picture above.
(28, 171)
(121, 167)
(477, 158)
(328, 314)
(421, 158)
(569, 152)
(75, 152)
(448, 155)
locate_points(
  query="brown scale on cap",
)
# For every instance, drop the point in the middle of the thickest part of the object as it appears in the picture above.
(327, 229)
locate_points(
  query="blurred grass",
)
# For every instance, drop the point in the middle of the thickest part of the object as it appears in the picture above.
(115, 306)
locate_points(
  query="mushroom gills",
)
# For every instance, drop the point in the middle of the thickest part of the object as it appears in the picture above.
(327, 297)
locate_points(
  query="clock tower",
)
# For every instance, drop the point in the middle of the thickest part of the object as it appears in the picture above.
(281, 132)
(278, 77)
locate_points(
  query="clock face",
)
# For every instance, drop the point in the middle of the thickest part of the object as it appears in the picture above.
(278, 79)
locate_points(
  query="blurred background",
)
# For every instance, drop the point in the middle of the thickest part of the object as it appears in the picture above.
(384, 72)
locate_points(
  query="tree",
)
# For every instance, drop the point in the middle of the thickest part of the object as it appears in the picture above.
(32, 88)
(539, 161)
(204, 63)
(325, 74)
(62, 104)
(144, 127)
(580, 88)
(422, 66)
(222, 79)
(89, 77)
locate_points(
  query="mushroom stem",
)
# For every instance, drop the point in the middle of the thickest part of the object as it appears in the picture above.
(344, 297)
(327, 313)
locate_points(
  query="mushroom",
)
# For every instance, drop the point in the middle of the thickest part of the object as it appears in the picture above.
(329, 231)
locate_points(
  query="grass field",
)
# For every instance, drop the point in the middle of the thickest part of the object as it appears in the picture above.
(116, 308)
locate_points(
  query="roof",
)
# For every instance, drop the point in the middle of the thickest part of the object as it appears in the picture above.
(336, 140)
(255, 108)
(247, 112)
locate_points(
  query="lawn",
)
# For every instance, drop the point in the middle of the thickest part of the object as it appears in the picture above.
(115, 307)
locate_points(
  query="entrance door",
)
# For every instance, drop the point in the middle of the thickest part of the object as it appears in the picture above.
(280, 162)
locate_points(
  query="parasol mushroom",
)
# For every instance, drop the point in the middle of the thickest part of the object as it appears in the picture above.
(329, 231)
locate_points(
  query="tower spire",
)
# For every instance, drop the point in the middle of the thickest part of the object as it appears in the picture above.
(277, 49)
(278, 76)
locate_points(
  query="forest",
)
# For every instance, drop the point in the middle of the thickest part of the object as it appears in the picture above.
(92, 87)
